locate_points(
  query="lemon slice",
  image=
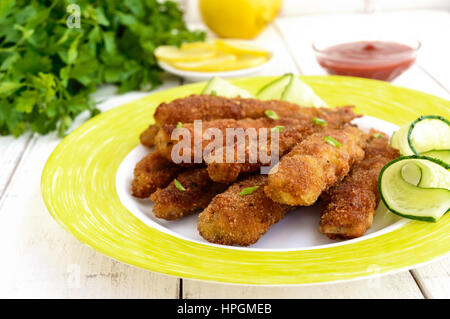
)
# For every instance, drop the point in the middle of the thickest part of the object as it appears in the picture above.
(237, 47)
(217, 63)
(244, 62)
(174, 54)
(199, 46)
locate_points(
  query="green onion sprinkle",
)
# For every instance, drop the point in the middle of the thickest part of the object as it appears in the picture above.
(178, 185)
(332, 141)
(248, 190)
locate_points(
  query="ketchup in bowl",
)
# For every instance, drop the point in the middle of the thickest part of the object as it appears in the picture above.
(381, 60)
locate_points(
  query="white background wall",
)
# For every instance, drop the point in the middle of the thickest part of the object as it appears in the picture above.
(311, 7)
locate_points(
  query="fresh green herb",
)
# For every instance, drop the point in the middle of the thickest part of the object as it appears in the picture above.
(319, 121)
(49, 71)
(214, 93)
(271, 114)
(332, 141)
(178, 185)
(248, 190)
(378, 135)
(179, 125)
(278, 128)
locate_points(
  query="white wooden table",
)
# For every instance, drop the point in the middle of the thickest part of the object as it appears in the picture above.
(41, 260)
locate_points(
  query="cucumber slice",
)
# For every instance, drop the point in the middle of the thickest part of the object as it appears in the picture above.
(443, 155)
(427, 133)
(274, 90)
(300, 93)
(218, 86)
(416, 187)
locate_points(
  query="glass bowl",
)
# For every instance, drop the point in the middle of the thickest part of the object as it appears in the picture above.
(380, 58)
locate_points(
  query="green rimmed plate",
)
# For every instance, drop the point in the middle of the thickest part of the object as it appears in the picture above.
(79, 186)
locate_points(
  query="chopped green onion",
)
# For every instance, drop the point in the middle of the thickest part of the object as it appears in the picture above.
(178, 185)
(378, 135)
(248, 190)
(332, 141)
(320, 121)
(179, 125)
(271, 114)
(278, 128)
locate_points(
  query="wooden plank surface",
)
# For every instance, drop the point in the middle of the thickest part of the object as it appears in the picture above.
(43, 260)
(11, 149)
(434, 278)
(400, 285)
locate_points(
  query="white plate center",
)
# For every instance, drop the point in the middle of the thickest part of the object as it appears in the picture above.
(298, 230)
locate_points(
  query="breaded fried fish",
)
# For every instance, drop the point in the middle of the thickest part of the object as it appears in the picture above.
(147, 137)
(226, 171)
(311, 167)
(236, 218)
(173, 203)
(164, 143)
(152, 172)
(349, 206)
(208, 108)
(223, 171)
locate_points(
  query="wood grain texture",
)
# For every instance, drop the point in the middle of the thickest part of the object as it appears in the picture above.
(11, 150)
(44, 261)
(434, 279)
(399, 285)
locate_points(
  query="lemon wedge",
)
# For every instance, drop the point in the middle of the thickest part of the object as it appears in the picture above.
(218, 63)
(186, 54)
(237, 47)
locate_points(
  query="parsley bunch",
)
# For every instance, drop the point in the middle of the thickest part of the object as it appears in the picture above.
(48, 70)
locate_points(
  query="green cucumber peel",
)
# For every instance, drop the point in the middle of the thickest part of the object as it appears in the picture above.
(426, 201)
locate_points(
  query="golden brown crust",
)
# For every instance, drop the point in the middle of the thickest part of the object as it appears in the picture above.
(172, 203)
(198, 107)
(349, 206)
(227, 172)
(231, 219)
(207, 108)
(164, 144)
(314, 165)
(147, 137)
(291, 135)
(152, 172)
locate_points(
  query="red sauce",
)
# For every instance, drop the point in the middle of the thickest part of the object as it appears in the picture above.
(374, 60)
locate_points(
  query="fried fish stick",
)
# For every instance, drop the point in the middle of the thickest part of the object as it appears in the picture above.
(314, 165)
(147, 137)
(208, 107)
(349, 206)
(234, 219)
(164, 143)
(223, 171)
(152, 172)
(173, 203)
